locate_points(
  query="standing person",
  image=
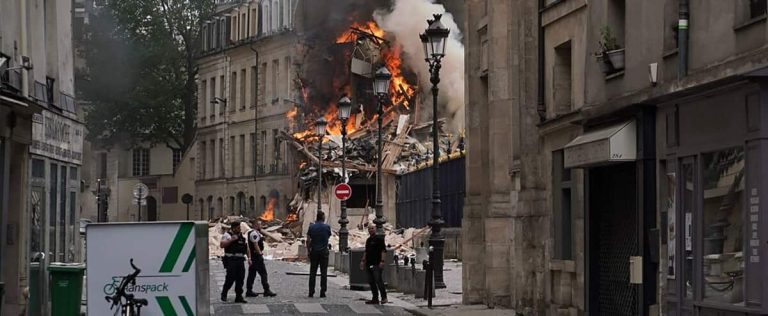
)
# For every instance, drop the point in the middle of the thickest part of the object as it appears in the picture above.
(256, 261)
(373, 263)
(235, 249)
(317, 246)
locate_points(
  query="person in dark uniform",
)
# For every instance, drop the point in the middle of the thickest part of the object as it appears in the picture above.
(256, 261)
(235, 248)
(317, 246)
(373, 263)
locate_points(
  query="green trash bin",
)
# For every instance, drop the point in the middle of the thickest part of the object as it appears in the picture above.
(66, 288)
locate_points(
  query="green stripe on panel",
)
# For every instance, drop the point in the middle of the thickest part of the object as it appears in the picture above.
(175, 251)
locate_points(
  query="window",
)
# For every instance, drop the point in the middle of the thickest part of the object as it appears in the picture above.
(562, 198)
(281, 13)
(275, 149)
(289, 13)
(561, 79)
(275, 80)
(263, 160)
(262, 85)
(233, 92)
(757, 8)
(287, 80)
(232, 155)
(222, 105)
(140, 162)
(723, 205)
(62, 225)
(38, 168)
(73, 176)
(176, 158)
(253, 22)
(242, 155)
(254, 86)
(688, 186)
(484, 51)
(616, 19)
(242, 90)
(212, 97)
(203, 99)
(73, 213)
(671, 17)
(221, 158)
(202, 155)
(54, 201)
(50, 88)
(253, 153)
(213, 158)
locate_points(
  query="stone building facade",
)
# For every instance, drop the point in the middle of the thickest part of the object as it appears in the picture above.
(246, 87)
(650, 157)
(41, 144)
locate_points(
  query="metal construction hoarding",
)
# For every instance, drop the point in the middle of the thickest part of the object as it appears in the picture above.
(172, 256)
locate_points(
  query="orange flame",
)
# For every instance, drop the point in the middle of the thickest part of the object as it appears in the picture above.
(350, 36)
(269, 214)
(292, 217)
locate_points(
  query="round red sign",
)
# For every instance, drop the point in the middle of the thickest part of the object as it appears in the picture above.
(342, 191)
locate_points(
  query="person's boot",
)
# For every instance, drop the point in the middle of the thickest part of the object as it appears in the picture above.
(268, 293)
(322, 294)
(251, 293)
(240, 299)
(223, 297)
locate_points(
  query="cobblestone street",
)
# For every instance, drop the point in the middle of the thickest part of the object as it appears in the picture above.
(292, 293)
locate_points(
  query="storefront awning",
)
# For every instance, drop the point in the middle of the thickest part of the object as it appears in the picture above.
(616, 143)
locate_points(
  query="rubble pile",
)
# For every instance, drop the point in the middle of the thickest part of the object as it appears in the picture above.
(282, 240)
(406, 148)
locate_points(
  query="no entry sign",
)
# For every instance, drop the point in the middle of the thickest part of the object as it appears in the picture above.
(342, 191)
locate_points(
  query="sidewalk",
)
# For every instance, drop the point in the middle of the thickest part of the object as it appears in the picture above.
(474, 310)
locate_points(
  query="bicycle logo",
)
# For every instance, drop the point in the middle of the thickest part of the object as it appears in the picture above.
(111, 288)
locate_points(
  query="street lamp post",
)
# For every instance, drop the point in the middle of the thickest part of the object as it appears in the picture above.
(345, 109)
(433, 39)
(320, 125)
(381, 88)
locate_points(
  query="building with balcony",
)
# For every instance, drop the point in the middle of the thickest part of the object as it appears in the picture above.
(246, 87)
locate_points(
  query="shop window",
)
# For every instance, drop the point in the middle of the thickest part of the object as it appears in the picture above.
(688, 189)
(62, 245)
(668, 218)
(73, 176)
(723, 195)
(140, 162)
(562, 215)
(54, 203)
(72, 230)
(38, 168)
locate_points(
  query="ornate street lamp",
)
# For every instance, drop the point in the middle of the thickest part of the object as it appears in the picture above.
(433, 39)
(381, 88)
(320, 125)
(345, 109)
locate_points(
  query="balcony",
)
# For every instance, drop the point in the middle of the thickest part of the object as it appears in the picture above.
(10, 80)
(278, 169)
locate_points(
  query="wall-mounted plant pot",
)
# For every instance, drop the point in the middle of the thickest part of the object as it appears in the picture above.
(616, 57)
(605, 65)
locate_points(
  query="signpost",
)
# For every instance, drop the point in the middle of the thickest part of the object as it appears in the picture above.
(342, 191)
(140, 193)
(172, 256)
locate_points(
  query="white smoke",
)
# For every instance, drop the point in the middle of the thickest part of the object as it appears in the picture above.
(407, 19)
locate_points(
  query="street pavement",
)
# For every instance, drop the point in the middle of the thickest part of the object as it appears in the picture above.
(292, 293)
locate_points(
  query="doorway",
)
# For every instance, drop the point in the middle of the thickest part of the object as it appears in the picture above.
(612, 238)
(151, 209)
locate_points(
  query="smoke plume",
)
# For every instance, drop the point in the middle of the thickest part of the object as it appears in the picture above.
(405, 20)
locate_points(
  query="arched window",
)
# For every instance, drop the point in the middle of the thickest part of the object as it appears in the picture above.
(210, 207)
(252, 206)
(231, 205)
(263, 202)
(220, 207)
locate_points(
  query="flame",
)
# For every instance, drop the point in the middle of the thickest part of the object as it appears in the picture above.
(269, 214)
(292, 217)
(400, 91)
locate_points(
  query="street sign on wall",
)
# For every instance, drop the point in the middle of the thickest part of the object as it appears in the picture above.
(171, 256)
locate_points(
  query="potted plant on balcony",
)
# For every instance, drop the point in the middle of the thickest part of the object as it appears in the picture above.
(611, 55)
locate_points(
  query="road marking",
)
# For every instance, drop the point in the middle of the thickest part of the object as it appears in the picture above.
(364, 309)
(310, 308)
(255, 309)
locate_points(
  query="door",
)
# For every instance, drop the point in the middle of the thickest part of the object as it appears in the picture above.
(612, 239)
(151, 209)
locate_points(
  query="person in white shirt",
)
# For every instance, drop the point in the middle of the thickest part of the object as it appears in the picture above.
(256, 261)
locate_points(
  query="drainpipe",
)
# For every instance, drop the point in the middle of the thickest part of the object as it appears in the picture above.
(541, 107)
(682, 36)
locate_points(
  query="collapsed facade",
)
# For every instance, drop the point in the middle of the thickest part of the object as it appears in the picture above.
(635, 174)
